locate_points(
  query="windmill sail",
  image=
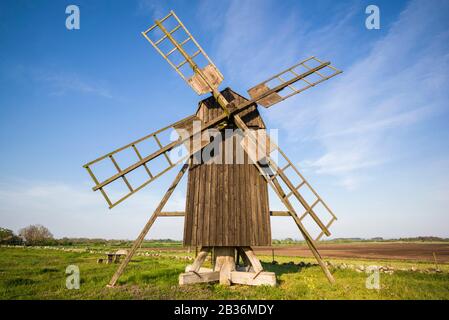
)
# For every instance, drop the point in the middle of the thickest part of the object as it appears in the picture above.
(147, 155)
(291, 81)
(179, 58)
(281, 177)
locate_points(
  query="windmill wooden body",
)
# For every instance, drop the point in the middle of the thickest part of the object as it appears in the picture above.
(227, 203)
(227, 209)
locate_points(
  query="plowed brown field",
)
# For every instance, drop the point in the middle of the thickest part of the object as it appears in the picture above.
(397, 251)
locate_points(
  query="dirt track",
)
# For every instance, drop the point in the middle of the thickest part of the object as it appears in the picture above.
(397, 251)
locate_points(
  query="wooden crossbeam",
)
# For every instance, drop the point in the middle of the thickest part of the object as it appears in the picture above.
(140, 158)
(123, 177)
(182, 214)
(147, 227)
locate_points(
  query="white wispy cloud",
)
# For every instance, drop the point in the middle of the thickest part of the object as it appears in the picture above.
(364, 126)
(60, 82)
(255, 39)
(400, 82)
(246, 38)
(153, 9)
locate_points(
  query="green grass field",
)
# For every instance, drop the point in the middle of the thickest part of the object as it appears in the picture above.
(33, 273)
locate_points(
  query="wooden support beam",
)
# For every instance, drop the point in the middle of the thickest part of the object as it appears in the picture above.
(147, 227)
(172, 214)
(254, 261)
(199, 260)
(225, 263)
(195, 277)
(246, 263)
(310, 243)
(225, 271)
(182, 214)
(253, 278)
(279, 213)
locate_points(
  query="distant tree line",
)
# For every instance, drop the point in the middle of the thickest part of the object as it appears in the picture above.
(32, 235)
(38, 235)
(8, 237)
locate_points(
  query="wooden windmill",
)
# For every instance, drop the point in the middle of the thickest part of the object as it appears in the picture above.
(227, 210)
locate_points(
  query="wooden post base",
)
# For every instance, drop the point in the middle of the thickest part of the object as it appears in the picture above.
(226, 271)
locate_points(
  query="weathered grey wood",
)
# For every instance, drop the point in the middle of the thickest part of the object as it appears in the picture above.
(186, 220)
(213, 207)
(219, 256)
(220, 209)
(227, 204)
(191, 277)
(199, 260)
(225, 269)
(188, 268)
(230, 230)
(202, 210)
(195, 206)
(253, 278)
(225, 263)
(245, 259)
(255, 263)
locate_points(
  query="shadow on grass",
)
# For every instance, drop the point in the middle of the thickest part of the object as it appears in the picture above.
(284, 268)
(19, 282)
(48, 270)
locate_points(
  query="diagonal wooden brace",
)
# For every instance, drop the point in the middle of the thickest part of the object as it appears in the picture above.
(274, 183)
(147, 227)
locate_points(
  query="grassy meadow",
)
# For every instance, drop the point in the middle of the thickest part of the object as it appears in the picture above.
(39, 273)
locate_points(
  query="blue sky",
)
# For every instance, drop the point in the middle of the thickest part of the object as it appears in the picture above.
(373, 141)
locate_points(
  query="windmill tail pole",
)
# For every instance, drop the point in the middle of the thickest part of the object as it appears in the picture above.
(147, 227)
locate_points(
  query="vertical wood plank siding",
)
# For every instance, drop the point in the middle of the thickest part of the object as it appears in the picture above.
(227, 204)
